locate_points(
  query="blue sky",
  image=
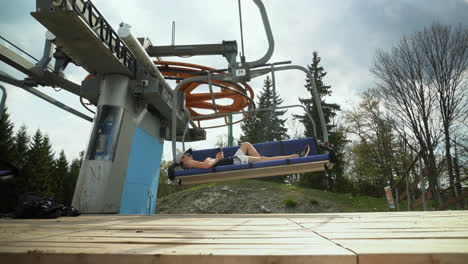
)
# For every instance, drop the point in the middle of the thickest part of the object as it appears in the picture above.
(345, 33)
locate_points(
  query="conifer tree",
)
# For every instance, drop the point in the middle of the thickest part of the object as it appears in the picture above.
(250, 128)
(337, 137)
(329, 110)
(38, 166)
(6, 137)
(60, 173)
(7, 188)
(70, 181)
(265, 126)
(21, 147)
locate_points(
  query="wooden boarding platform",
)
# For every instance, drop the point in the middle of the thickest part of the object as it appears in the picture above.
(385, 237)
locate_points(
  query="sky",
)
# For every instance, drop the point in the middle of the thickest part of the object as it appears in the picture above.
(346, 35)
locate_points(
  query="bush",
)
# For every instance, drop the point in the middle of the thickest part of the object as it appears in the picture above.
(313, 201)
(290, 202)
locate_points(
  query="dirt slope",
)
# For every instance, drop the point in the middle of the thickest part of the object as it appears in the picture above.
(251, 197)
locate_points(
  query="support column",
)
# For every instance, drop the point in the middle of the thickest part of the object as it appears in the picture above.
(120, 171)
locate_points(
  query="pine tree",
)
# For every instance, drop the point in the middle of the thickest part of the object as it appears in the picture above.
(21, 147)
(38, 166)
(19, 158)
(7, 188)
(337, 137)
(250, 127)
(60, 172)
(69, 182)
(6, 137)
(265, 126)
(329, 110)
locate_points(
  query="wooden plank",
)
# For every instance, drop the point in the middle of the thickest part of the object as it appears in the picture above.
(178, 259)
(400, 234)
(173, 249)
(405, 246)
(413, 258)
(315, 241)
(419, 237)
(253, 173)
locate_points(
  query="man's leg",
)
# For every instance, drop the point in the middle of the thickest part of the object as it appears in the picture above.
(249, 150)
(257, 159)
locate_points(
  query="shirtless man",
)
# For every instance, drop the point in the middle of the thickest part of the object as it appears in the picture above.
(245, 154)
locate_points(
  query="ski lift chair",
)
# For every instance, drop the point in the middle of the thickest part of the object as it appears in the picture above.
(310, 163)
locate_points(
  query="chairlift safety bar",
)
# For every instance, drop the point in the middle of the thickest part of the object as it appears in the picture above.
(2, 101)
(250, 111)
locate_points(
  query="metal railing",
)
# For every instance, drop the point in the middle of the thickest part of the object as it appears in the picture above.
(250, 111)
(3, 99)
(96, 21)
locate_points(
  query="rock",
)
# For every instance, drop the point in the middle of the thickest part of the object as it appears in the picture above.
(264, 209)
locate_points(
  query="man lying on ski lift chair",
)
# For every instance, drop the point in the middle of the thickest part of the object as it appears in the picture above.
(244, 155)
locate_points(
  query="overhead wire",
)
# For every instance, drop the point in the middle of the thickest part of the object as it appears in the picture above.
(18, 48)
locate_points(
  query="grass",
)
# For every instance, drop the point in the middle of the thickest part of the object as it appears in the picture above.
(344, 202)
(288, 202)
(313, 201)
(185, 190)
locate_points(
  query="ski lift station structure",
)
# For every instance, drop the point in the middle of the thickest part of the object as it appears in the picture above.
(136, 107)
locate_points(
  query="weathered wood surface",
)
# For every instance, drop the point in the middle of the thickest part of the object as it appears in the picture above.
(387, 237)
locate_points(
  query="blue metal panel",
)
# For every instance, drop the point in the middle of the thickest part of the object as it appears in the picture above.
(141, 180)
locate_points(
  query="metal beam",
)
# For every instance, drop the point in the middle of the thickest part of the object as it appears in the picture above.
(85, 36)
(48, 78)
(4, 77)
(193, 50)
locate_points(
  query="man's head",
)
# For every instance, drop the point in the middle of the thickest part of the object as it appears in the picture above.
(183, 156)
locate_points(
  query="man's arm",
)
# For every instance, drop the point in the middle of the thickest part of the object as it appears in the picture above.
(193, 164)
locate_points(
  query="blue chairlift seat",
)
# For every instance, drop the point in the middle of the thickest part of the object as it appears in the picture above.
(313, 162)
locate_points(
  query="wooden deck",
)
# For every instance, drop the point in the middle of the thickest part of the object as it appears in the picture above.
(396, 238)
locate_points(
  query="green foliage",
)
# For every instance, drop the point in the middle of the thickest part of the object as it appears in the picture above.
(222, 141)
(265, 126)
(6, 136)
(7, 188)
(165, 186)
(21, 147)
(38, 171)
(329, 110)
(58, 176)
(313, 201)
(378, 154)
(38, 167)
(334, 179)
(69, 181)
(289, 202)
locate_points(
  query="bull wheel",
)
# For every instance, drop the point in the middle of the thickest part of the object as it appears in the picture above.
(198, 102)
